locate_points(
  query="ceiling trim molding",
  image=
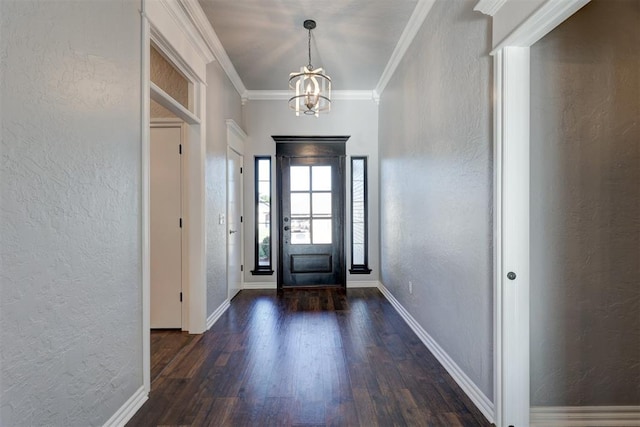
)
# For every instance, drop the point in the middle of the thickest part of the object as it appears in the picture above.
(208, 34)
(489, 7)
(284, 95)
(186, 24)
(415, 22)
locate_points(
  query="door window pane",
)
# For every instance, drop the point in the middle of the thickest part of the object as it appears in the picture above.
(300, 232)
(321, 231)
(321, 204)
(300, 204)
(299, 178)
(321, 178)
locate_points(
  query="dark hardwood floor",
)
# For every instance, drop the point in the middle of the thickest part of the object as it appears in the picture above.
(308, 357)
(166, 344)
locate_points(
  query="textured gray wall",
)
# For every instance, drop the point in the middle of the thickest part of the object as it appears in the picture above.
(223, 102)
(436, 185)
(585, 209)
(70, 296)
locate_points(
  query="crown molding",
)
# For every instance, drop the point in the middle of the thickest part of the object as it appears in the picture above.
(284, 95)
(415, 22)
(198, 19)
(489, 7)
(186, 24)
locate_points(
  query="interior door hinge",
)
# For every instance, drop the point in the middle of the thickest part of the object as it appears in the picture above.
(241, 218)
(242, 268)
(180, 296)
(180, 222)
(240, 170)
(179, 148)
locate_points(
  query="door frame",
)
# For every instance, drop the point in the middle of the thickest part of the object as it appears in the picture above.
(515, 30)
(236, 139)
(312, 146)
(184, 251)
(163, 24)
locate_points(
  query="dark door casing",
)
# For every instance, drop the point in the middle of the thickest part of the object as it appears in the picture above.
(311, 211)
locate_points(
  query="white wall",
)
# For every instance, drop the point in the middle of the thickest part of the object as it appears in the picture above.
(436, 185)
(223, 102)
(359, 119)
(70, 260)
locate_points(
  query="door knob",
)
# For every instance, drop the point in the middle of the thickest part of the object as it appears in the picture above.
(232, 231)
(286, 228)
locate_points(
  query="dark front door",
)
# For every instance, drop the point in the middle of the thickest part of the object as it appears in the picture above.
(312, 210)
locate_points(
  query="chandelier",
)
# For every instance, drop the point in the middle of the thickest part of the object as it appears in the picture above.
(311, 88)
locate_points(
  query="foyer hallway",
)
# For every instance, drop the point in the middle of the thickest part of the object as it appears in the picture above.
(312, 358)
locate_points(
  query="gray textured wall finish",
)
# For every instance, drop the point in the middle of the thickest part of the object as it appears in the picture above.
(70, 296)
(436, 185)
(585, 209)
(223, 102)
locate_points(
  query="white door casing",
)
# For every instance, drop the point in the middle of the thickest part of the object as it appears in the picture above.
(236, 138)
(166, 227)
(235, 237)
(515, 29)
(181, 32)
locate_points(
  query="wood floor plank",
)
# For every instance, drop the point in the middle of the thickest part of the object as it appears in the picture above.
(303, 358)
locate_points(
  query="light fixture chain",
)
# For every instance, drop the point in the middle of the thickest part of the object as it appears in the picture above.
(310, 67)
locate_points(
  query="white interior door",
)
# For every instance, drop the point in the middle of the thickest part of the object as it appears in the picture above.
(166, 227)
(234, 222)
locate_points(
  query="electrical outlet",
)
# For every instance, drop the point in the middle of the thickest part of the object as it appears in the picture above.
(410, 287)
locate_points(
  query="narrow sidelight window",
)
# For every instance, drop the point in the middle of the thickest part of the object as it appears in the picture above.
(263, 264)
(359, 217)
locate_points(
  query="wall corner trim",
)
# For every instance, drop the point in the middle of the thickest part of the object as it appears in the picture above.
(213, 317)
(540, 23)
(575, 416)
(233, 126)
(406, 38)
(469, 387)
(129, 409)
(206, 31)
(489, 7)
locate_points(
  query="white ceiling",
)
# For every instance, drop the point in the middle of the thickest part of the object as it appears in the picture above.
(265, 39)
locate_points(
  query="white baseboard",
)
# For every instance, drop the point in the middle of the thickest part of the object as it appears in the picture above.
(579, 416)
(273, 285)
(357, 284)
(128, 410)
(213, 318)
(259, 285)
(469, 387)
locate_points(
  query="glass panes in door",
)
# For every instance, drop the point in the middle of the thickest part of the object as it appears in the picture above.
(311, 214)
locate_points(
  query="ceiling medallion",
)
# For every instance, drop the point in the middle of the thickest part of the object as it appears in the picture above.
(311, 88)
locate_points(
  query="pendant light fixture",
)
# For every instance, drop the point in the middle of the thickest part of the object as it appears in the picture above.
(311, 88)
